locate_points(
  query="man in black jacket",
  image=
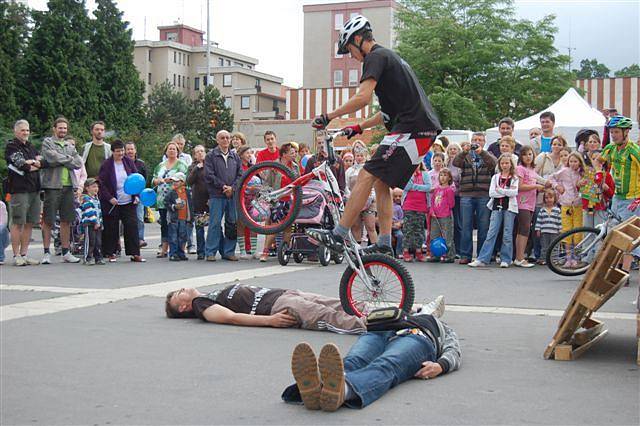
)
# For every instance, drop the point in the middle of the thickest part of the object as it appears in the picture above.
(23, 164)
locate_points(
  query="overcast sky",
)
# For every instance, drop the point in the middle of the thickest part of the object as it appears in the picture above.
(272, 30)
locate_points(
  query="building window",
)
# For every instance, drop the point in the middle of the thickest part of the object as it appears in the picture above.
(337, 78)
(221, 62)
(179, 58)
(205, 81)
(174, 80)
(339, 21)
(353, 15)
(196, 83)
(150, 56)
(249, 67)
(336, 54)
(226, 80)
(188, 82)
(149, 78)
(353, 77)
(228, 62)
(188, 56)
(244, 102)
(227, 101)
(172, 37)
(257, 82)
(175, 56)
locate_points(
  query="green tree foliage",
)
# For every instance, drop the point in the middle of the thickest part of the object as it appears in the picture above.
(120, 88)
(210, 115)
(479, 62)
(57, 76)
(14, 21)
(630, 71)
(167, 109)
(591, 68)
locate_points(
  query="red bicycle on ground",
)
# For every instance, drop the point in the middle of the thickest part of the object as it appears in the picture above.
(269, 200)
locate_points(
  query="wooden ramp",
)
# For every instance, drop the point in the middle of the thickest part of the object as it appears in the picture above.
(577, 331)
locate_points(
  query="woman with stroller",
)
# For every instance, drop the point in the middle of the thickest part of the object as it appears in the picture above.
(288, 159)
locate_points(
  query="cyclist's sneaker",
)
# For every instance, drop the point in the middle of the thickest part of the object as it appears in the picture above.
(377, 249)
(327, 238)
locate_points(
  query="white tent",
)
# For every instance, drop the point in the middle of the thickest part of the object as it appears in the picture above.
(572, 114)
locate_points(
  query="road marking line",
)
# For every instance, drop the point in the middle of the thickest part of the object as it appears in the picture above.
(72, 290)
(101, 296)
(531, 311)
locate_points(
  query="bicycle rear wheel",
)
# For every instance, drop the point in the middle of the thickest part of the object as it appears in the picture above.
(392, 286)
(258, 207)
(572, 252)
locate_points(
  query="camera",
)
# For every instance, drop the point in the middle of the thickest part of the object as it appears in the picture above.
(475, 146)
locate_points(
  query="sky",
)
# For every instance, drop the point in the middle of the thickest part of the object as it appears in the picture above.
(272, 30)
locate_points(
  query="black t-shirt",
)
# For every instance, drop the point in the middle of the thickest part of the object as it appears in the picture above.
(502, 203)
(404, 105)
(242, 299)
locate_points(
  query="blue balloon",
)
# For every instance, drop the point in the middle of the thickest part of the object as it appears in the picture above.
(303, 160)
(439, 247)
(148, 197)
(134, 184)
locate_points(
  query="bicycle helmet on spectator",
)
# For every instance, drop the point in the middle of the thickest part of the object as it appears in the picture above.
(619, 121)
(354, 26)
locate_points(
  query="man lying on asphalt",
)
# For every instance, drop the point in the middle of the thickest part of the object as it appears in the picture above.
(377, 362)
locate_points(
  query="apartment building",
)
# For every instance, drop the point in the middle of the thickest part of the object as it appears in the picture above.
(180, 58)
(323, 66)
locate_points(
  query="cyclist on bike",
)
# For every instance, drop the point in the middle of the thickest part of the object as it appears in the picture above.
(405, 112)
(624, 157)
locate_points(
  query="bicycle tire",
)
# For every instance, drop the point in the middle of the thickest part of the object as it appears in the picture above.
(324, 255)
(283, 256)
(241, 200)
(555, 266)
(377, 260)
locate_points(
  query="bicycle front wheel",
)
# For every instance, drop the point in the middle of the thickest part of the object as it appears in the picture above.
(262, 204)
(572, 252)
(391, 286)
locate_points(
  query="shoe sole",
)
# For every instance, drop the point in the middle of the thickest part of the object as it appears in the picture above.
(332, 374)
(304, 367)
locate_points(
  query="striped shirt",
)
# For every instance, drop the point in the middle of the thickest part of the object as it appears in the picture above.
(625, 168)
(549, 222)
(91, 211)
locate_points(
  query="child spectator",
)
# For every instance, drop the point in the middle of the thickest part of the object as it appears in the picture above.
(4, 231)
(508, 146)
(415, 209)
(396, 222)
(437, 163)
(597, 187)
(549, 223)
(443, 201)
(436, 147)
(530, 184)
(200, 197)
(564, 156)
(504, 208)
(91, 221)
(566, 182)
(178, 214)
(247, 240)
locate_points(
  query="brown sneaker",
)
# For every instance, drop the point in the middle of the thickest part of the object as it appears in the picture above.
(232, 258)
(332, 373)
(464, 261)
(304, 367)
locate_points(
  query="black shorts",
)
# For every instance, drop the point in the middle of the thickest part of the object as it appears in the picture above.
(397, 158)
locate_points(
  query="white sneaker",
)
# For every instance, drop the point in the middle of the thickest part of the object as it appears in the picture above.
(19, 261)
(69, 258)
(46, 259)
(523, 264)
(476, 263)
(31, 261)
(245, 256)
(504, 265)
(435, 307)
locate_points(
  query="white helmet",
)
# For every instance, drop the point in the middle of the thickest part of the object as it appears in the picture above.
(353, 26)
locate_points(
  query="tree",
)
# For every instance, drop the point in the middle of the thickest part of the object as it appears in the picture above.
(167, 109)
(479, 60)
(56, 75)
(14, 21)
(120, 88)
(210, 115)
(630, 71)
(591, 68)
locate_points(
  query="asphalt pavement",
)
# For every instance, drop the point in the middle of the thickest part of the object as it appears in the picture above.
(91, 346)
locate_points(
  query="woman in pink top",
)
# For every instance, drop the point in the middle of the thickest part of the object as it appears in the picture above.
(443, 200)
(415, 209)
(530, 184)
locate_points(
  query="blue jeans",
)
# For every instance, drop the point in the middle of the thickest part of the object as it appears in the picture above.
(5, 239)
(397, 233)
(473, 210)
(200, 240)
(376, 363)
(177, 238)
(457, 224)
(500, 219)
(216, 242)
(140, 214)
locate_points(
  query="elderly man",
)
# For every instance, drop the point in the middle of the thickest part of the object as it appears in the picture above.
(96, 150)
(59, 184)
(222, 170)
(23, 164)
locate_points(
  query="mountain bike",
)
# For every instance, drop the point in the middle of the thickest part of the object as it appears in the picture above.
(571, 252)
(268, 200)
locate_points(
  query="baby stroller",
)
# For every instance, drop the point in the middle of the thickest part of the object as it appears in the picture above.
(314, 213)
